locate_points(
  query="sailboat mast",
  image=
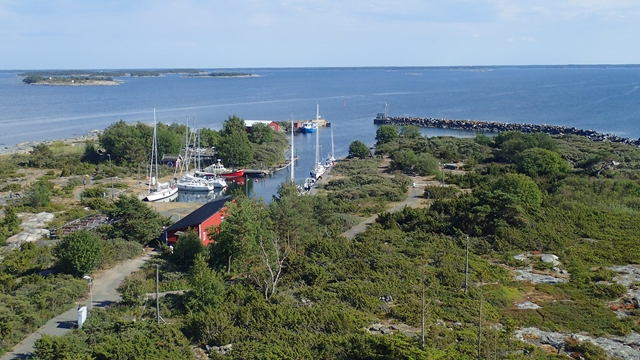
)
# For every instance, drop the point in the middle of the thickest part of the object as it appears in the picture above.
(185, 165)
(155, 144)
(317, 134)
(333, 154)
(291, 163)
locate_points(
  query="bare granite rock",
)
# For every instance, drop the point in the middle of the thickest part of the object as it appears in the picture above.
(528, 305)
(528, 275)
(550, 258)
(628, 276)
(34, 228)
(617, 347)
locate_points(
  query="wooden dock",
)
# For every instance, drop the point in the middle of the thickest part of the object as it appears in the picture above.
(269, 171)
(258, 172)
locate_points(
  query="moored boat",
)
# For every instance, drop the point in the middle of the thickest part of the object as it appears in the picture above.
(164, 195)
(218, 169)
(309, 127)
(331, 159)
(319, 169)
(164, 192)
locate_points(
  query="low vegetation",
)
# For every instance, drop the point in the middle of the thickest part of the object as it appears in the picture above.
(280, 281)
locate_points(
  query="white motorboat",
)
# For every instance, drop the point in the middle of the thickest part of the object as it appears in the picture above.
(192, 184)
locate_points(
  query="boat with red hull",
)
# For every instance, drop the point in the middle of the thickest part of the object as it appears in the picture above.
(219, 170)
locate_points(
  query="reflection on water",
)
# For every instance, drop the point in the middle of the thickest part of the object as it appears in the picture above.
(200, 196)
(233, 185)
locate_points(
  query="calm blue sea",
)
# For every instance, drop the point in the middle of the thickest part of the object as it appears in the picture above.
(602, 99)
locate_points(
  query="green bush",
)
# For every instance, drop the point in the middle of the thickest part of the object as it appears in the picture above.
(79, 253)
(15, 187)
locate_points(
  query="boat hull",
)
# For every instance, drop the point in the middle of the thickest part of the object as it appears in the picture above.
(165, 195)
(317, 172)
(233, 174)
(228, 174)
(195, 187)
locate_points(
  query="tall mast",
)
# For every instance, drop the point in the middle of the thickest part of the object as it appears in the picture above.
(317, 134)
(155, 145)
(187, 136)
(293, 179)
(333, 154)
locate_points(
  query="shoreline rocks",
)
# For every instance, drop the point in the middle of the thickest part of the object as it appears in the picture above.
(26, 147)
(615, 346)
(497, 127)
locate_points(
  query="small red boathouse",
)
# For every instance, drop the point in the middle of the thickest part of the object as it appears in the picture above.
(206, 216)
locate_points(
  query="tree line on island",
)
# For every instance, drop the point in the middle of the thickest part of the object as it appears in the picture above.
(280, 281)
(129, 145)
(83, 76)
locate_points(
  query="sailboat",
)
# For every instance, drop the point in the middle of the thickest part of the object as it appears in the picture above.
(331, 160)
(188, 182)
(161, 192)
(292, 159)
(318, 169)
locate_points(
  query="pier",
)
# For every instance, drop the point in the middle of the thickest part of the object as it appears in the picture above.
(269, 171)
(258, 172)
(497, 127)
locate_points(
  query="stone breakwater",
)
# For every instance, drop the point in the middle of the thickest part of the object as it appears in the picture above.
(496, 127)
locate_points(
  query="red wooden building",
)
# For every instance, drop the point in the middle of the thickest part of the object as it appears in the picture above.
(272, 124)
(206, 216)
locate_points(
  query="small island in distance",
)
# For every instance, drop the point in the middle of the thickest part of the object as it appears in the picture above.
(222, 75)
(102, 78)
(69, 80)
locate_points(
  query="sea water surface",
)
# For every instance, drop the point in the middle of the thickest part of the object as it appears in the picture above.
(602, 99)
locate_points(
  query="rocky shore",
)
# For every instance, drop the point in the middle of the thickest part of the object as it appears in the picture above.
(79, 83)
(496, 127)
(26, 147)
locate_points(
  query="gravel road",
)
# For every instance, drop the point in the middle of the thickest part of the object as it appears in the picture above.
(104, 294)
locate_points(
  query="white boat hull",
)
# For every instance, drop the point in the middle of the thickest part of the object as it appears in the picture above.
(194, 187)
(165, 195)
(318, 171)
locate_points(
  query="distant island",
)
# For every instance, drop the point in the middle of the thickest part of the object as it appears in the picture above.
(101, 78)
(70, 80)
(223, 75)
(112, 73)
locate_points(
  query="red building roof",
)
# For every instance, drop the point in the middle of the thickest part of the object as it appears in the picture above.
(206, 216)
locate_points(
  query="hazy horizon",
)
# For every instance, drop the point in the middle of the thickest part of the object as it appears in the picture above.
(118, 34)
(340, 67)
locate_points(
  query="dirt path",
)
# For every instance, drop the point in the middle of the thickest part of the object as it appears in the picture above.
(413, 200)
(104, 294)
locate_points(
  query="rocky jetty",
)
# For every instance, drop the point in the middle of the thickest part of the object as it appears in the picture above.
(496, 127)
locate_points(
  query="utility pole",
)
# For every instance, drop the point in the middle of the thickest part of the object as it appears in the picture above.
(466, 270)
(422, 342)
(158, 293)
(480, 324)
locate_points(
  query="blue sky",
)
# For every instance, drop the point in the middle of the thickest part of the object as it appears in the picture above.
(70, 34)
